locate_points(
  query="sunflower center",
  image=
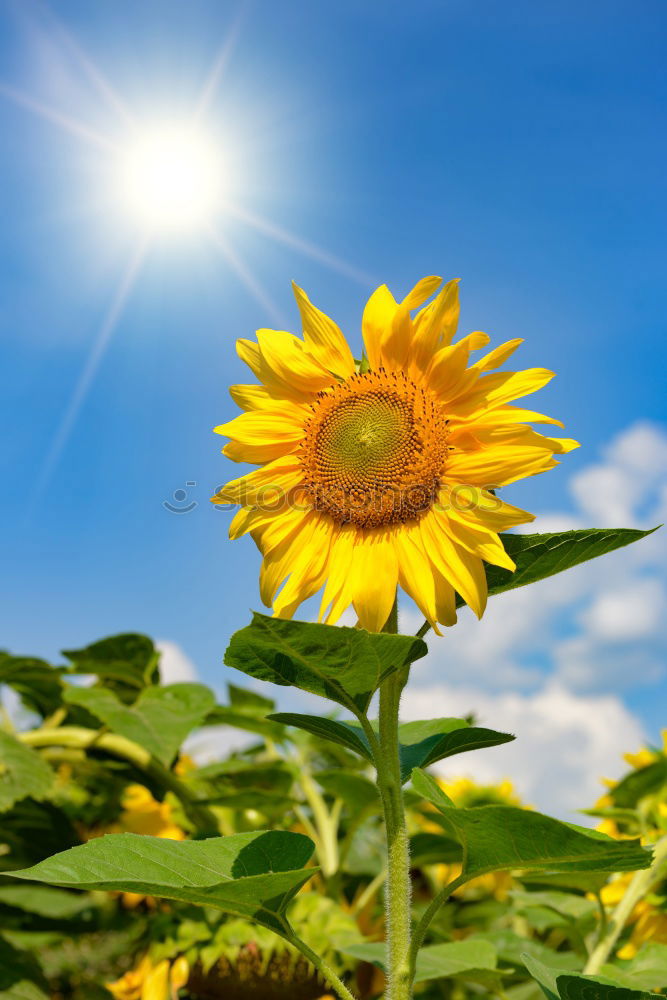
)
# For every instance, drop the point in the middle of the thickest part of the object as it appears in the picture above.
(374, 450)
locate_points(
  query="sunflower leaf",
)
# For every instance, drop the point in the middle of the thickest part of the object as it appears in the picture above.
(497, 838)
(343, 664)
(438, 961)
(540, 556)
(37, 683)
(249, 874)
(124, 663)
(345, 734)
(23, 773)
(424, 743)
(562, 984)
(159, 720)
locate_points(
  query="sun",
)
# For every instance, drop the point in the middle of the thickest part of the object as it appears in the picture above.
(170, 178)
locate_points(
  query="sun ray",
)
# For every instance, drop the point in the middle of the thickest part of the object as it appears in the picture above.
(94, 74)
(297, 243)
(242, 271)
(219, 65)
(100, 344)
(63, 121)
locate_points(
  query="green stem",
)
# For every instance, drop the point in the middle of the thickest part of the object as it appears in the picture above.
(641, 883)
(324, 970)
(398, 890)
(78, 737)
(425, 922)
(423, 630)
(326, 824)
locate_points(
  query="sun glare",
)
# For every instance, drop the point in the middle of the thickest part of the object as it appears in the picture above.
(171, 179)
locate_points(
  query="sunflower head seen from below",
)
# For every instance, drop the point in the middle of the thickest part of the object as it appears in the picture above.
(382, 472)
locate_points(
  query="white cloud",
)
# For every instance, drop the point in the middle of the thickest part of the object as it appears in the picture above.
(175, 664)
(565, 742)
(627, 612)
(623, 490)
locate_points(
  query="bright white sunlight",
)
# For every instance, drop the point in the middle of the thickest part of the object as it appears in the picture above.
(171, 178)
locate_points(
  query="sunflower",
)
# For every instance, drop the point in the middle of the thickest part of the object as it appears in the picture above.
(382, 472)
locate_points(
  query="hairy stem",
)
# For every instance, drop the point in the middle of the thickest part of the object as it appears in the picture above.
(641, 883)
(398, 890)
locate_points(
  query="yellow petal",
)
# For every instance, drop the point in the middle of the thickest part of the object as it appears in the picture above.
(267, 485)
(475, 538)
(290, 363)
(397, 338)
(460, 568)
(435, 325)
(323, 338)
(374, 575)
(257, 454)
(415, 572)
(156, 984)
(498, 356)
(376, 322)
(491, 391)
(337, 594)
(307, 568)
(278, 387)
(493, 467)
(254, 397)
(478, 506)
(259, 425)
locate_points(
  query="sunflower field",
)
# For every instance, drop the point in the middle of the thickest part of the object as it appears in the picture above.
(144, 874)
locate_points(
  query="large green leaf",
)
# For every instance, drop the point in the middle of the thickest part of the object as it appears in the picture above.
(125, 663)
(421, 743)
(38, 684)
(345, 734)
(504, 837)
(250, 874)
(540, 556)
(559, 984)
(424, 743)
(23, 773)
(340, 663)
(438, 961)
(159, 720)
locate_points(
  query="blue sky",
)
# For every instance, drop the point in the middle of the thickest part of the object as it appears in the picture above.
(519, 147)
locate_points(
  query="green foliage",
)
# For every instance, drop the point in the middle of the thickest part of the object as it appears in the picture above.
(497, 837)
(159, 719)
(464, 959)
(540, 556)
(345, 665)
(250, 874)
(37, 683)
(562, 985)
(23, 773)
(20, 975)
(424, 743)
(125, 663)
(526, 900)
